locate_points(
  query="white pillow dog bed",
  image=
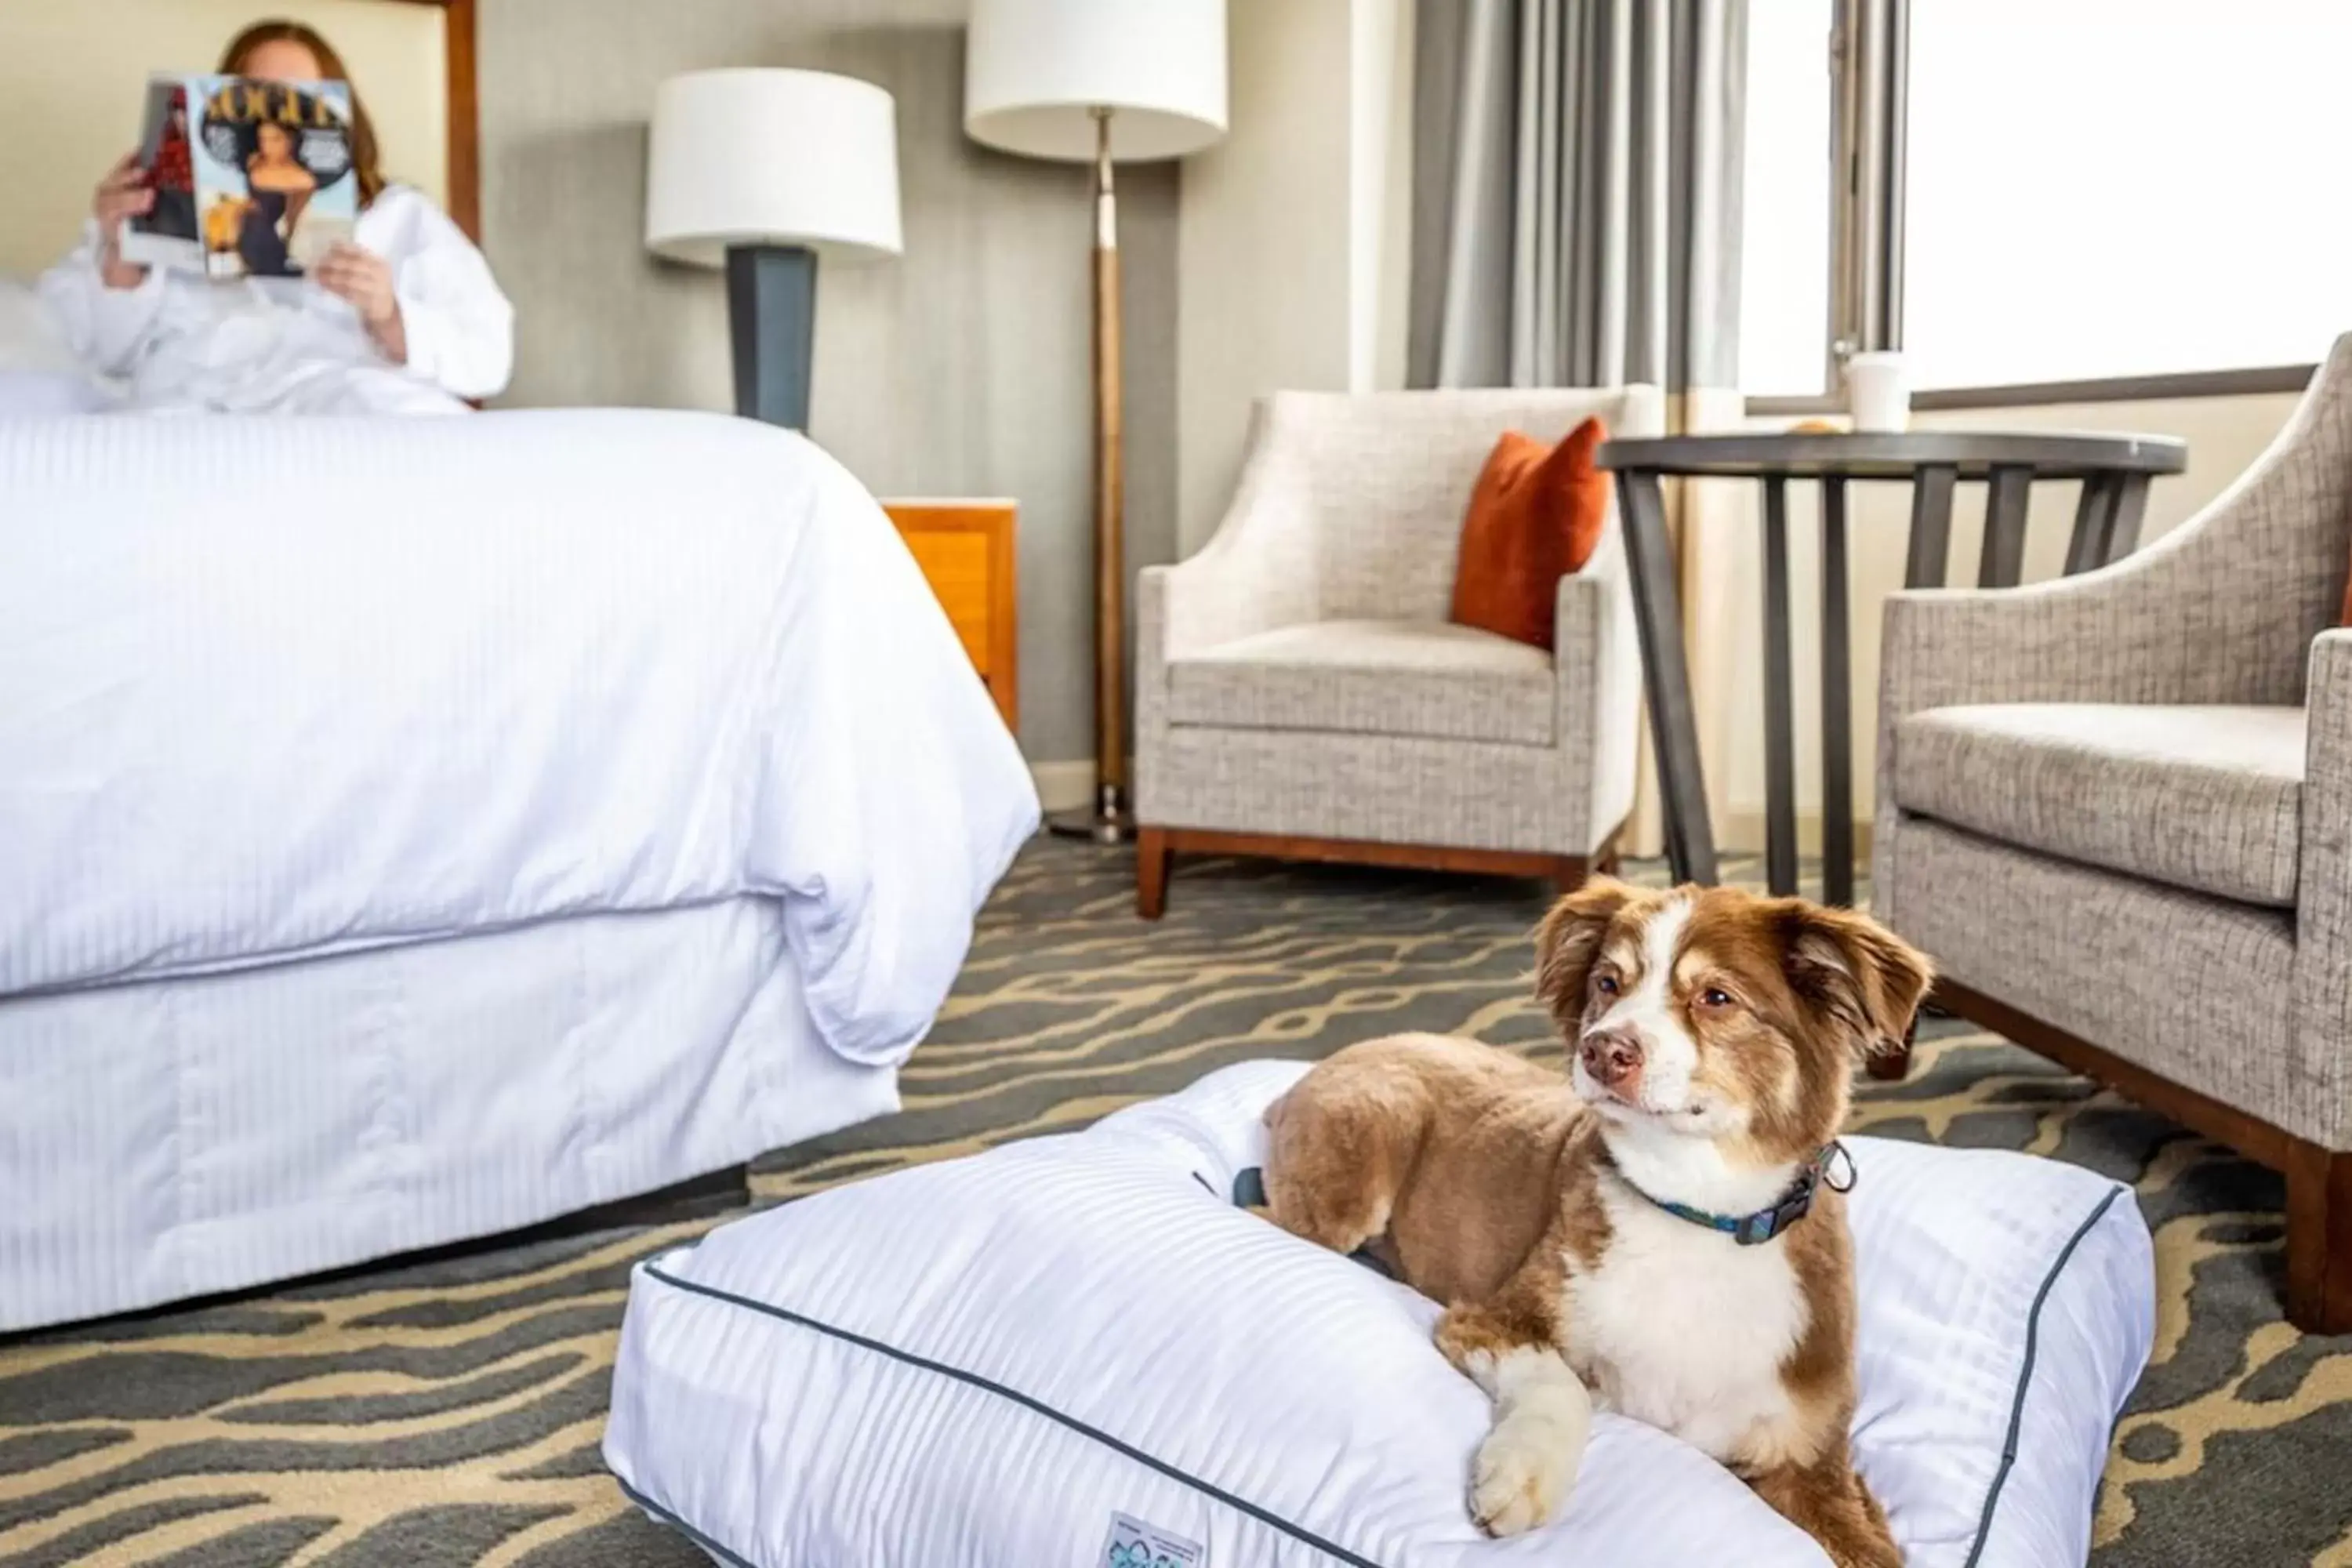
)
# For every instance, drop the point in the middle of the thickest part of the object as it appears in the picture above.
(1075, 1351)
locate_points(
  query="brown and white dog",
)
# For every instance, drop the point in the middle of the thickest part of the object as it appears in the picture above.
(1576, 1228)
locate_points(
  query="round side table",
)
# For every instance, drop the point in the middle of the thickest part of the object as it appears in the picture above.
(2114, 472)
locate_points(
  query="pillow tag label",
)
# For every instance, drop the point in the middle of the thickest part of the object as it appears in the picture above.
(1135, 1544)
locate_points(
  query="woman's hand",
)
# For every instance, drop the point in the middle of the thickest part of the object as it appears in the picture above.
(123, 194)
(364, 278)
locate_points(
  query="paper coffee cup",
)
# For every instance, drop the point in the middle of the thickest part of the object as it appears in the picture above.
(1877, 391)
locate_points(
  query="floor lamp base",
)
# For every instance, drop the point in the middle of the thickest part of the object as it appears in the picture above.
(1106, 821)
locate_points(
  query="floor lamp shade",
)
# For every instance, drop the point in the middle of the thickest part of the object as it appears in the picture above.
(763, 171)
(1035, 69)
(1102, 81)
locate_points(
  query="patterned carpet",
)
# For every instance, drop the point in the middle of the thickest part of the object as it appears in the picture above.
(448, 1414)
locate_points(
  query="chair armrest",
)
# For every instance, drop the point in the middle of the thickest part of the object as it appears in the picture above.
(2222, 609)
(2323, 960)
(2129, 633)
(1257, 572)
(2329, 704)
(1214, 598)
(2114, 635)
(1596, 663)
(1579, 605)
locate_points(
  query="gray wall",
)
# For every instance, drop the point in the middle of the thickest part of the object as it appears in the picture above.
(960, 368)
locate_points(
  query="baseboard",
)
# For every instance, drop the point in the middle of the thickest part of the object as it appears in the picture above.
(1742, 832)
(1064, 786)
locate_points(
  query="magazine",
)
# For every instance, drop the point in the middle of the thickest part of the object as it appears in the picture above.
(251, 178)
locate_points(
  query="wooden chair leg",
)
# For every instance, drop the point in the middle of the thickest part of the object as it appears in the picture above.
(1606, 862)
(2318, 1239)
(1151, 857)
(1573, 871)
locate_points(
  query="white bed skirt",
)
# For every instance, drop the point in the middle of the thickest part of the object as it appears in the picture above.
(179, 1138)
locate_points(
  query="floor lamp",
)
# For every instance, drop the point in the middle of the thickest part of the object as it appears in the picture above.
(1100, 81)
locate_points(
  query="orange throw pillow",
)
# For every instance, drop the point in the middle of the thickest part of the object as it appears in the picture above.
(1534, 516)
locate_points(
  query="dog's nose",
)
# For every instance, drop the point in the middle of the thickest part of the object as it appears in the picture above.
(1614, 1057)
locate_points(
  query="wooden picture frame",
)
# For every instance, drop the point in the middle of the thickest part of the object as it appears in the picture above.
(464, 171)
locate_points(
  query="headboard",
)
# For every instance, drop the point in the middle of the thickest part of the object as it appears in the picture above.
(71, 74)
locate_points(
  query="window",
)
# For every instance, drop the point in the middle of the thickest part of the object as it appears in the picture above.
(2123, 187)
(1784, 254)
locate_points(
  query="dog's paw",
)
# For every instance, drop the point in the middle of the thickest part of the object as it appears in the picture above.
(1524, 1472)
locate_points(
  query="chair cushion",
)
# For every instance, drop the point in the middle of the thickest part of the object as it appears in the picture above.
(1375, 677)
(1534, 516)
(1068, 1344)
(2201, 797)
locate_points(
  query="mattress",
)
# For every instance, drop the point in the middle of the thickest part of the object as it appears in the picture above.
(1077, 1350)
(180, 1137)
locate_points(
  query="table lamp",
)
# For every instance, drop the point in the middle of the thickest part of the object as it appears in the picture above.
(763, 171)
(1100, 81)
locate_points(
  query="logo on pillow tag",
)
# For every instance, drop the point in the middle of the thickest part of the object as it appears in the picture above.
(1135, 1544)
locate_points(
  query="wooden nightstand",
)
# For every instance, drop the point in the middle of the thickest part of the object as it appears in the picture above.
(966, 551)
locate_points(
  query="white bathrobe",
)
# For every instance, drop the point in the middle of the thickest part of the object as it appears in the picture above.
(285, 345)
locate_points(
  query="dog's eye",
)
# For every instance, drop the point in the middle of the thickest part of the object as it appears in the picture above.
(1715, 996)
(1606, 984)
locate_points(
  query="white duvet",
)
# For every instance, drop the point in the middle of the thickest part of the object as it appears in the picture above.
(272, 688)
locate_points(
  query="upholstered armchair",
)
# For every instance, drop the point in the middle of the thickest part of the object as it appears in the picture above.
(1301, 694)
(2117, 809)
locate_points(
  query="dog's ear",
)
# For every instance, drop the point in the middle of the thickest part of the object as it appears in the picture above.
(1568, 942)
(1866, 980)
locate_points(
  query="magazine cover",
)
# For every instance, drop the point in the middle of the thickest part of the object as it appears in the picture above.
(252, 178)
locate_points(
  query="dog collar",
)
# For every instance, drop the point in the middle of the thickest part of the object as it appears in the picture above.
(1757, 1228)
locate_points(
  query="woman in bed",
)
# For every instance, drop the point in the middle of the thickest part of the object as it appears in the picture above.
(406, 318)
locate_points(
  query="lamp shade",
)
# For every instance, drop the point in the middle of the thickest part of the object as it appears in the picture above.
(1035, 69)
(776, 157)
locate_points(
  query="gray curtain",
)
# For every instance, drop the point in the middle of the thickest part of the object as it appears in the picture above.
(1576, 192)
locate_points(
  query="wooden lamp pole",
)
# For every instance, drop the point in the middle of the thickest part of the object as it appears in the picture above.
(1043, 78)
(1110, 819)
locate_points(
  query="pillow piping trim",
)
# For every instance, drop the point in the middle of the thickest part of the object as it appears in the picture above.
(663, 1516)
(2025, 1373)
(1298, 1532)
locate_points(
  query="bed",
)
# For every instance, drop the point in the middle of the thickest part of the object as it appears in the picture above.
(415, 829)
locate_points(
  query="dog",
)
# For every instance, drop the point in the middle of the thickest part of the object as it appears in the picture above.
(1661, 1232)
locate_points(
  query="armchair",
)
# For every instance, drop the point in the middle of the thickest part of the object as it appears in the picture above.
(2117, 811)
(1301, 694)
